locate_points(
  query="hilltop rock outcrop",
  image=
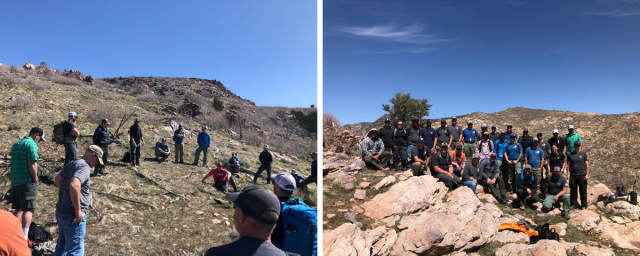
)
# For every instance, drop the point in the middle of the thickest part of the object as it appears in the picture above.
(29, 66)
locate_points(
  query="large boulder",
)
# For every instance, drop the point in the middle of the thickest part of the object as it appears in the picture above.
(385, 182)
(354, 167)
(29, 66)
(384, 244)
(589, 250)
(514, 249)
(623, 235)
(462, 223)
(548, 247)
(346, 239)
(624, 208)
(407, 196)
(584, 220)
(190, 108)
(89, 79)
(593, 192)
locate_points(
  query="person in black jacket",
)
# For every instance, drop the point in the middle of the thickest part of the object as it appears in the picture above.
(135, 132)
(400, 139)
(313, 178)
(265, 164)
(386, 135)
(526, 188)
(525, 140)
(101, 139)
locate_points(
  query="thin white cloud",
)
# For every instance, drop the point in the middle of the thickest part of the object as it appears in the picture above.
(616, 13)
(417, 50)
(413, 33)
(615, 8)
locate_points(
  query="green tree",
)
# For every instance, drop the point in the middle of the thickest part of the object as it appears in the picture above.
(217, 104)
(403, 107)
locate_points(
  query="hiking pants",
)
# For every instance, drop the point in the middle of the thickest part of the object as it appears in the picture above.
(469, 149)
(70, 152)
(539, 177)
(448, 181)
(135, 154)
(99, 167)
(419, 169)
(578, 185)
(262, 168)
(470, 184)
(522, 195)
(371, 163)
(385, 158)
(162, 157)
(399, 152)
(179, 152)
(494, 190)
(236, 169)
(204, 159)
(309, 180)
(548, 203)
(221, 185)
(512, 171)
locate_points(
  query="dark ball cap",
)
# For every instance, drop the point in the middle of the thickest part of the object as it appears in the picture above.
(428, 121)
(577, 143)
(38, 131)
(459, 147)
(255, 201)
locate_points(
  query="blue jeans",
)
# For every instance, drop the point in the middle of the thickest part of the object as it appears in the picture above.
(409, 148)
(457, 171)
(71, 235)
(471, 185)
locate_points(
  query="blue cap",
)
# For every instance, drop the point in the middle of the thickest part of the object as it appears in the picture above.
(266, 146)
(387, 120)
(73, 114)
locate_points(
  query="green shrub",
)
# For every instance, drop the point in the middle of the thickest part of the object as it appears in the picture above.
(14, 126)
(234, 107)
(217, 104)
(284, 161)
(245, 164)
(307, 121)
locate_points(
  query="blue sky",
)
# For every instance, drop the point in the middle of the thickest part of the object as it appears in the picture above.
(264, 51)
(468, 56)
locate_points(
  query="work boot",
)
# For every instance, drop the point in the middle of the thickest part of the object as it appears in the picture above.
(617, 191)
(565, 216)
(623, 192)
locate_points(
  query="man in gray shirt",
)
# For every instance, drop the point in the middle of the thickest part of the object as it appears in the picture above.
(455, 131)
(413, 135)
(546, 147)
(492, 179)
(74, 200)
(372, 148)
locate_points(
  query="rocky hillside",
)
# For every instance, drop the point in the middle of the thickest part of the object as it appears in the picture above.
(611, 141)
(157, 208)
(386, 213)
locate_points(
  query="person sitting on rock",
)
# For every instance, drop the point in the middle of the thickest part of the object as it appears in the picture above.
(471, 175)
(221, 178)
(420, 156)
(442, 168)
(459, 159)
(162, 150)
(297, 177)
(372, 148)
(557, 187)
(491, 177)
(526, 188)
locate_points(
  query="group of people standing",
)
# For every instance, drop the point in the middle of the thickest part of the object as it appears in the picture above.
(503, 162)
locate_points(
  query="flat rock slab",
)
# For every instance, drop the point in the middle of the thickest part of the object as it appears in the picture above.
(360, 194)
(561, 228)
(364, 184)
(407, 196)
(356, 209)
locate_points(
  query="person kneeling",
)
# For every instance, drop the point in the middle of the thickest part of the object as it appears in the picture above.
(162, 150)
(421, 155)
(491, 177)
(556, 186)
(221, 178)
(442, 169)
(526, 188)
(471, 175)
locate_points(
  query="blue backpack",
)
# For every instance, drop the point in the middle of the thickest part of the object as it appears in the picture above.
(300, 223)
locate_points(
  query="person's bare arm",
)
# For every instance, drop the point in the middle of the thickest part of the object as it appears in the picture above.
(74, 191)
(587, 176)
(450, 140)
(439, 170)
(75, 132)
(33, 169)
(564, 191)
(58, 180)
(206, 176)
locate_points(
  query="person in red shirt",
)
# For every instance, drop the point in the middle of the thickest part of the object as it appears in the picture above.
(221, 178)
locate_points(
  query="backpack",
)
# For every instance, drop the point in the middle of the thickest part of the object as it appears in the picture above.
(38, 233)
(58, 133)
(490, 146)
(545, 233)
(127, 157)
(300, 223)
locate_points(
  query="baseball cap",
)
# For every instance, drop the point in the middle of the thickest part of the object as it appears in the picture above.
(469, 122)
(443, 121)
(503, 132)
(421, 140)
(454, 118)
(526, 130)
(136, 120)
(493, 155)
(164, 139)
(475, 156)
(255, 201)
(205, 127)
(509, 125)
(570, 126)
(293, 171)
(285, 181)
(313, 153)
(535, 139)
(557, 169)
(526, 166)
(266, 146)
(513, 135)
(374, 130)
(387, 120)
(459, 146)
(485, 134)
(484, 125)
(555, 130)
(444, 145)
(219, 164)
(180, 126)
(429, 121)
(98, 151)
(493, 126)
(39, 131)
(577, 143)
(105, 121)
(233, 153)
(73, 114)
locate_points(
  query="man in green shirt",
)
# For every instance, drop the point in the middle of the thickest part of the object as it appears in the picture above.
(571, 138)
(24, 177)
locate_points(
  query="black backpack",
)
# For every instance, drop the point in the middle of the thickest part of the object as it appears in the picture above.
(545, 233)
(490, 146)
(127, 157)
(38, 233)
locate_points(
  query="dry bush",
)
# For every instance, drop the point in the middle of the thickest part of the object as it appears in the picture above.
(103, 84)
(38, 85)
(148, 97)
(65, 80)
(10, 79)
(103, 110)
(23, 103)
(331, 121)
(152, 119)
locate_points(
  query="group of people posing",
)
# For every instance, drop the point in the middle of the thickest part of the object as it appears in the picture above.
(74, 198)
(503, 162)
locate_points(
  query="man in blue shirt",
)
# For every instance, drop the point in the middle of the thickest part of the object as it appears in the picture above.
(430, 136)
(499, 146)
(510, 131)
(534, 156)
(512, 156)
(204, 141)
(178, 138)
(469, 136)
(162, 150)
(234, 167)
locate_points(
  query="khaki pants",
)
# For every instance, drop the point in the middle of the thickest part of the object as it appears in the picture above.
(469, 149)
(179, 152)
(539, 176)
(419, 169)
